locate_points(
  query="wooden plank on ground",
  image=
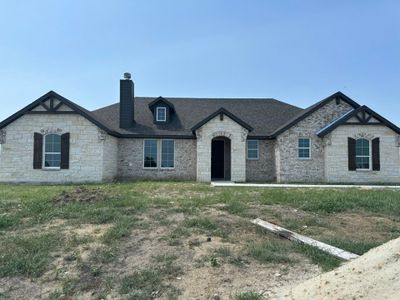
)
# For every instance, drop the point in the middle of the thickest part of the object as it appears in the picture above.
(293, 236)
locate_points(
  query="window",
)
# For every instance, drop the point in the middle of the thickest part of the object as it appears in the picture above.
(150, 154)
(363, 154)
(304, 148)
(52, 151)
(167, 153)
(161, 114)
(252, 149)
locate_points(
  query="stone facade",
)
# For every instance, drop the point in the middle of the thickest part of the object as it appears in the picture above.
(130, 161)
(288, 166)
(86, 150)
(262, 169)
(96, 156)
(336, 157)
(221, 128)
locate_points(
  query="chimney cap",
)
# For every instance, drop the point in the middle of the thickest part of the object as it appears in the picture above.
(127, 75)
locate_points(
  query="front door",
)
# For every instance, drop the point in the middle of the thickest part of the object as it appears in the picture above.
(217, 159)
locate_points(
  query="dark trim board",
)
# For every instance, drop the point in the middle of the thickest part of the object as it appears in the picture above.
(161, 99)
(338, 96)
(363, 121)
(33, 112)
(70, 104)
(222, 111)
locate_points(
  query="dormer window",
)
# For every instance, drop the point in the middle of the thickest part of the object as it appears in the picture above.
(162, 111)
(161, 114)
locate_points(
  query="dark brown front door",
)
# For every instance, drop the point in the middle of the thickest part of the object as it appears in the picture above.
(217, 159)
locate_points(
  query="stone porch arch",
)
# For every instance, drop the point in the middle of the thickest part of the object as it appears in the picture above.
(222, 124)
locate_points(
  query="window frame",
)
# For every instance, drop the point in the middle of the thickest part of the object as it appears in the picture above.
(258, 150)
(302, 148)
(44, 167)
(369, 155)
(166, 168)
(144, 154)
(158, 108)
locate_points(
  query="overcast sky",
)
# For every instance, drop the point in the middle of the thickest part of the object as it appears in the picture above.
(295, 51)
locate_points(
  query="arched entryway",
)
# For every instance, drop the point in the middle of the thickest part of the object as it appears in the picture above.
(220, 158)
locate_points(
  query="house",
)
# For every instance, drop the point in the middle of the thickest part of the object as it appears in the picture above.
(335, 140)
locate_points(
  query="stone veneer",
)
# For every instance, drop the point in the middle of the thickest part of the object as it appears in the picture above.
(92, 152)
(130, 161)
(221, 128)
(288, 166)
(336, 157)
(263, 168)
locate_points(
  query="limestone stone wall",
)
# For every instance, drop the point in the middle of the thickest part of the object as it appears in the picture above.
(217, 128)
(262, 169)
(110, 157)
(130, 161)
(336, 156)
(288, 166)
(86, 150)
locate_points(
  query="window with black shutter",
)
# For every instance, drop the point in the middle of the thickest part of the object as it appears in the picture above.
(376, 165)
(351, 143)
(51, 151)
(64, 151)
(37, 150)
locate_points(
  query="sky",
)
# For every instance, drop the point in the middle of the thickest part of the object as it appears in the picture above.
(295, 51)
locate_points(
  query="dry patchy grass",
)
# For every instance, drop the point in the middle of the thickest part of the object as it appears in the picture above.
(176, 240)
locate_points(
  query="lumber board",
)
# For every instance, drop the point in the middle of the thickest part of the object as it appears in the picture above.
(293, 236)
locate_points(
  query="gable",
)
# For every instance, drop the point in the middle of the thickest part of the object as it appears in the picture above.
(338, 97)
(221, 112)
(53, 103)
(360, 116)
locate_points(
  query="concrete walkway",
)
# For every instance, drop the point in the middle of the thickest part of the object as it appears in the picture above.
(288, 185)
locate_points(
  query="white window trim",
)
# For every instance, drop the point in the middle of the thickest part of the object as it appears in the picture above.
(309, 149)
(369, 156)
(144, 143)
(165, 114)
(166, 168)
(159, 155)
(258, 150)
(44, 153)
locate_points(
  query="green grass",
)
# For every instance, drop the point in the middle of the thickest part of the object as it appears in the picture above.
(27, 255)
(203, 223)
(121, 228)
(26, 208)
(273, 251)
(357, 247)
(250, 295)
(142, 284)
(326, 261)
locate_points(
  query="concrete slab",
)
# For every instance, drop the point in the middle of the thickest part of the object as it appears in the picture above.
(289, 185)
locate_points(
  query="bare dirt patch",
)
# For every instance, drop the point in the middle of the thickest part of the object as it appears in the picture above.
(81, 194)
(371, 276)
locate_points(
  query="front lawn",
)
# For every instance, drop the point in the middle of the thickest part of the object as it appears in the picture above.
(177, 240)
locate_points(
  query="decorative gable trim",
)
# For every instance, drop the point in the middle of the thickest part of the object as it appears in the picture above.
(53, 103)
(338, 96)
(222, 111)
(363, 116)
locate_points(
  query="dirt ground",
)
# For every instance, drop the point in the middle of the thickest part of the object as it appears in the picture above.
(211, 251)
(375, 275)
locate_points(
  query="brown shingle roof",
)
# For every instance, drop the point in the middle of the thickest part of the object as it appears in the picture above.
(264, 115)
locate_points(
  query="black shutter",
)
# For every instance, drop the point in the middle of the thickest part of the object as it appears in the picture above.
(351, 143)
(64, 151)
(376, 165)
(37, 150)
